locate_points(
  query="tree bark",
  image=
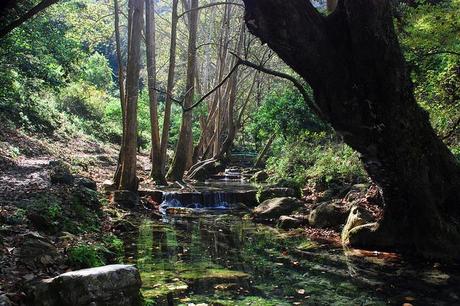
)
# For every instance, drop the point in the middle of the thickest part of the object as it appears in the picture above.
(128, 179)
(121, 85)
(156, 174)
(170, 87)
(233, 87)
(353, 62)
(184, 152)
(263, 153)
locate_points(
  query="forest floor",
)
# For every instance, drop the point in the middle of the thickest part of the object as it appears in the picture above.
(45, 213)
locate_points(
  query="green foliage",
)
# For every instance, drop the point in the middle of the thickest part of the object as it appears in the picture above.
(430, 40)
(83, 100)
(96, 71)
(315, 157)
(285, 113)
(85, 256)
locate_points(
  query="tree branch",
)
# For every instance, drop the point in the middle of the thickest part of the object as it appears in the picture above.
(285, 76)
(435, 52)
(32, 12)
(209, 5)
(311, 104)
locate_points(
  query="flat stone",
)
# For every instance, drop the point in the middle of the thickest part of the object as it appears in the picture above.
(114, 285)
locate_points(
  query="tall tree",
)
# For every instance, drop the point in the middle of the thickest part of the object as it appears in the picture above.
(121, 84)
(128, 179)
(353, 62)
(170, 87)
(156, 173)
(184, 148)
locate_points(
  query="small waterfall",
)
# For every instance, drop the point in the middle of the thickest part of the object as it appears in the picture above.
(215, 200)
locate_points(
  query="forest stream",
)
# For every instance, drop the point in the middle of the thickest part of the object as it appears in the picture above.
(216, 256)
(220, 153)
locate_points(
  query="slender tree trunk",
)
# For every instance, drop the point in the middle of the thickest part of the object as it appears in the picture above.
(233, 87)
(263, 153)
(156, 173)
(353, 62)
(223, 50)
(184, 150)
(121, 85)
(128, 179)
(170, 87)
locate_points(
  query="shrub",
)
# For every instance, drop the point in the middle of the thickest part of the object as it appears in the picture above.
(315, 157)
(83, 100)
(85, 256)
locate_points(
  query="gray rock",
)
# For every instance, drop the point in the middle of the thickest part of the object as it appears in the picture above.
(277, 192)
(260, 177)
(115, 285)
(37, 252)
(4, 300)
(86, 182)
(328, 215)
(60, 172)
(290, 222)
(274, 208)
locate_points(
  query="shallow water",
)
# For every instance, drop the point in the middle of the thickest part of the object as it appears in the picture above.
(223, 259)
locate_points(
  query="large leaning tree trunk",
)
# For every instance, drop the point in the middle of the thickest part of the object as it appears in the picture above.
(128, 178)
(353, 62)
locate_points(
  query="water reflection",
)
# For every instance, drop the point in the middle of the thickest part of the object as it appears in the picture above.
(226, 260)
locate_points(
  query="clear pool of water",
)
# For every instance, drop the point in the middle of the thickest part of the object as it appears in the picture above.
(222, 259)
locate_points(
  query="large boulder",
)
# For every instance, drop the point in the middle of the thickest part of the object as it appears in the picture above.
(274, 208)
(277, 192)
(328, 215)
(115, 285)
(357, 218)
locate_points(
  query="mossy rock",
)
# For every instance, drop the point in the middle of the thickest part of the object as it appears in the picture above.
(60, 172)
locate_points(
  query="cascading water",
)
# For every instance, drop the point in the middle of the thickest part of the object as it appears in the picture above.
(205, 201)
